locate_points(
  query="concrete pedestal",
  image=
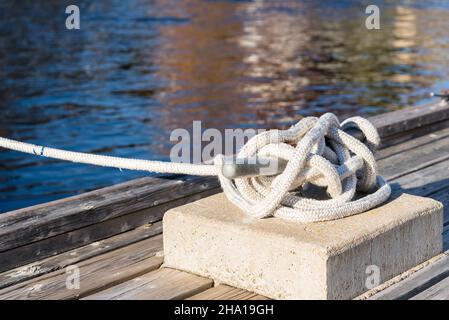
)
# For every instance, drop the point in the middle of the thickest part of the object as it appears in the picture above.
(280, 259)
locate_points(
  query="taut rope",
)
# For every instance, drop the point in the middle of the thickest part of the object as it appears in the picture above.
(317, 150)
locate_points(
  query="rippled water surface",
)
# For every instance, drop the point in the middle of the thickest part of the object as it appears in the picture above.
(139, 69)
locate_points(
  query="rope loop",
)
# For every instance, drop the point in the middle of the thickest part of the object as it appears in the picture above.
(320, 153)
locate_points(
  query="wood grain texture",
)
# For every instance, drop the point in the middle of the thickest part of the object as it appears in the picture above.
(96, 274)
(162, 284)
(27, 225)
(80, 236)
(439, 291)
(224, 292)
(399, 121)
(413, 134)
(426, 181)
(414, 159)
(65, 259)
(411, 144)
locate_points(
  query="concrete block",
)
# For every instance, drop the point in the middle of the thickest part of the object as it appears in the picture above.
(288, 260)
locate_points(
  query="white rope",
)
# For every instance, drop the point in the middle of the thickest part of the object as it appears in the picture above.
(108, 161)
(318, 152)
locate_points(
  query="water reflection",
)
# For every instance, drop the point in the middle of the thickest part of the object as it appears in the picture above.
(202, 67)
(138, 69)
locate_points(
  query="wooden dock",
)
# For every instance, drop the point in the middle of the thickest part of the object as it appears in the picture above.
(114, 235)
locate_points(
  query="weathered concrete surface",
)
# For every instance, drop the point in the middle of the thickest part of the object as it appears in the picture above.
(288, 260)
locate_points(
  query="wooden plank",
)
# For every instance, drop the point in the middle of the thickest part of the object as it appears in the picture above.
(412, 283)
(389, 141)
(28, 225)
(426, 181)
(65, 259)
(162, 284)
(439, 291)
(399, 121)
(224, 292)
(96, 274)
(82, 236)
(410, 144)
(414, 159)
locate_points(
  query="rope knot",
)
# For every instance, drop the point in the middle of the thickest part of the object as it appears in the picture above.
(318, 152)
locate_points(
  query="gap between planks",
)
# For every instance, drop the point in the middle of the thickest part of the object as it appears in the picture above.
(71, 257)
(45, 230)
(411, 144)
(411, 282)
(225, 292)
(439, 291)
(162, 284)
(96, 274)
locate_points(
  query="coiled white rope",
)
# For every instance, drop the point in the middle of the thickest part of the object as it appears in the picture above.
(317, 150)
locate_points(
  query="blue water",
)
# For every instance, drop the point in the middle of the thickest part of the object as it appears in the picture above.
(138, 69)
